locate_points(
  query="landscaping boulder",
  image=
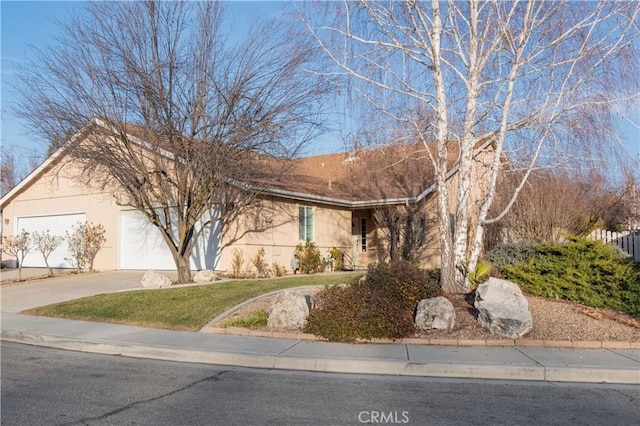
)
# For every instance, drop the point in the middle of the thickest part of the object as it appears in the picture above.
(152, 279)
(502, 309)
(437, 312)
(205, 276)
(288, 312)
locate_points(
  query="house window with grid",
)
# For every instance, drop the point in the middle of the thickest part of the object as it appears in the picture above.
(305, 223)
(363, 233)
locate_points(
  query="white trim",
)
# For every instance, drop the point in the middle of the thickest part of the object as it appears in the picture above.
(42, 167)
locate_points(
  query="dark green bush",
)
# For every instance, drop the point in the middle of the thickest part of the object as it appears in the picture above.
(345, 314)
(403, 282)
(309, 258)
(583, 271)
(510, 254)
(380, 306)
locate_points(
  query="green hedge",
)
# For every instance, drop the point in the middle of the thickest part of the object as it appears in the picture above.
(588, 272)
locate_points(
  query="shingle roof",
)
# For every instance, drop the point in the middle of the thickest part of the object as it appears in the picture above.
(368, 176)
(391, 172)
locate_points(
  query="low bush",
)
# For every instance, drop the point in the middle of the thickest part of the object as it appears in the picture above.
(381, 306)
(403, 282)
(309, 259)
(345, 314)
(262, 267)
(480, 273)
(583, 271)
(278, 270)
(237, 263)
(510, 254)
(337, 259)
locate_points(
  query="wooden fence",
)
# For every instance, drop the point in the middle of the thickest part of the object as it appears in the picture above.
(628, 241)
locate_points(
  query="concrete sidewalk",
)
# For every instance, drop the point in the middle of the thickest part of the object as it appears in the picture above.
(511, 363)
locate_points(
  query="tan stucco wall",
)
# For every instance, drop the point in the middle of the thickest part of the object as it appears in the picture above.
(272, 224)
(55, 193)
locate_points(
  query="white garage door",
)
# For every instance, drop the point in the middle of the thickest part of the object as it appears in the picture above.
(141, 245)
(56, 225)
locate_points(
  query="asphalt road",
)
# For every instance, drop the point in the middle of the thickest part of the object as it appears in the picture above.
(43, 386)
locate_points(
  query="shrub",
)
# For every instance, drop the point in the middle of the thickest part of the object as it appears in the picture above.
(46, 244)
(237, 262)
(510, 254)
(260, 264)
(309, 258)
(18, 246)
(84, 242)
(278, 270)
(480, 273)
(403, 282)
(337, 257)
(583, 271)
(345, 314)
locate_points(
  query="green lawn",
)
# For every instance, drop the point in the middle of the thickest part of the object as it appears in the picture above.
(187, 308)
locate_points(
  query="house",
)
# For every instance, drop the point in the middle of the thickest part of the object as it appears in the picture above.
(332, 200)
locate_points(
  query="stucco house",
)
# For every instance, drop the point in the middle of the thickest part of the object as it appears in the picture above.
(329, 199)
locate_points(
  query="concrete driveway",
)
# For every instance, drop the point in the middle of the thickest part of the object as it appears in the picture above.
(17, 297)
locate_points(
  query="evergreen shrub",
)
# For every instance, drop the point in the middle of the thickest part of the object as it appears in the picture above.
(588, 272)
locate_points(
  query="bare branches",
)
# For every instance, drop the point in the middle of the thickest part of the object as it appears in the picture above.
(178, 111)
(539, 79)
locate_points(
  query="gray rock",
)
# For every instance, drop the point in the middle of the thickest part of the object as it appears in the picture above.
(152, 279)
(206, 276)
(437, 313)
(503, 309)
(288, 312)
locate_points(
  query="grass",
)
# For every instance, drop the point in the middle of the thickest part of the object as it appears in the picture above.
(186, 308)
(258, 318)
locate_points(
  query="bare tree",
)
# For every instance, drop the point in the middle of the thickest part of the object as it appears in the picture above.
(551, 204)
(8, 178)
(46, 243)
(180, 116)
(529, 83)
(406, 228)
(18, 246)
(15, 165)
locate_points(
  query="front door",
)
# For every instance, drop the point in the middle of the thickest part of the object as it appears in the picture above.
(354, 250)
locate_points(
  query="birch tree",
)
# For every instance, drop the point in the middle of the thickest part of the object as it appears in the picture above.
(168, 113)
(531, 83)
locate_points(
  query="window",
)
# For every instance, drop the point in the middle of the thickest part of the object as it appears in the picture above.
(305, 223)
(363, 233)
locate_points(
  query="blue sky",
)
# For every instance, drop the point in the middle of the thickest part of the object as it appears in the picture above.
(27, 23)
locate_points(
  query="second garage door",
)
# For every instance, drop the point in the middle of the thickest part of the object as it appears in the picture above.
(141, 245)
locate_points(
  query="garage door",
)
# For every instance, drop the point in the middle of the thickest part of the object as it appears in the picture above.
(141, 245)
(56, 225)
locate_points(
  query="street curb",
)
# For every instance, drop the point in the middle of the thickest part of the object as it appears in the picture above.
(536, 372)
(522, 343)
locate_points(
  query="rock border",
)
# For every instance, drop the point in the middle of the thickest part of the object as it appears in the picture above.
(240, 331)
